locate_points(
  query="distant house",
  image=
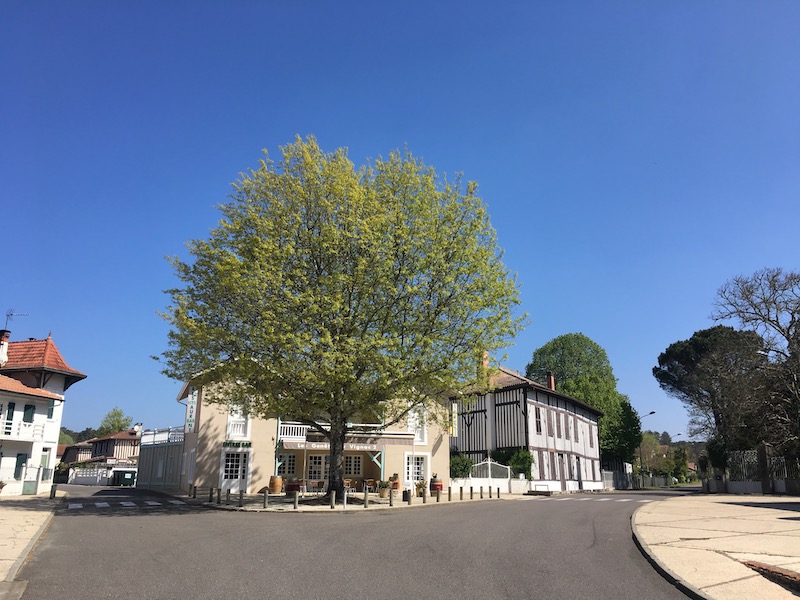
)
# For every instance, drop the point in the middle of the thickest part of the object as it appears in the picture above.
(112, 459)
(33, 380)
(561, 432)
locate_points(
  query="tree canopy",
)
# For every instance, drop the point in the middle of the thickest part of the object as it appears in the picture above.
(333, 295)
(582, 370)
(114, 421)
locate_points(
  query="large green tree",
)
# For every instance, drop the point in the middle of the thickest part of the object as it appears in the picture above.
(719, 374)
(114, 421)
(582, 370)
(333, 295)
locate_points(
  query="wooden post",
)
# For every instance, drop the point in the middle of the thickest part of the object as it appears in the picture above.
(425, 495)
(409, 495)
(470, 493)
(438, 495)
(241, 498)
(498, 492)
(296, 499)
(219, 496)
(461, 493)
(481, 491)
(333, 498)
(366, 497)
(266, 497)
(194, 491)
(228, 497)
(449, 493)
(490, 491)
(210, 495)
(391, 497)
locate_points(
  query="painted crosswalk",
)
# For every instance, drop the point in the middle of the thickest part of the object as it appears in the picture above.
(589, 499)
(128, 504)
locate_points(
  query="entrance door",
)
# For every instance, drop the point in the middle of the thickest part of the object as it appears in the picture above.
(562, 472)
(234, 471)
(580, 475)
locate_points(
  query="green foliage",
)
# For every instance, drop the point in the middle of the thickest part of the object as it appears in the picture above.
(717, 453)
(65, 438)
(582, 370)
(460, 466)
(114, 421)
(681, 462)
(719, 375)
(521, 462)
(326, 293)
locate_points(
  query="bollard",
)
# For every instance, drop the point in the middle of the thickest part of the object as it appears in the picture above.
(498, 492)
(481, 491)
(228, 497)
(333, 498)
(366, 498)
(490, 491)
(438, 495)
(409, 497)
(241, 498)
(470, 493)
(461, 493)
(425, 495)
(53, 491)
(391, 497)
(210, 495)
(344, 499)
(194, 491)
(296, 499)
(449, 493)
(219, 496)
(266, 497)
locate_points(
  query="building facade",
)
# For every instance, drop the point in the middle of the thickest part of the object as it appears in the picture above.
(33, 380)
(561, 432)
(223, 448)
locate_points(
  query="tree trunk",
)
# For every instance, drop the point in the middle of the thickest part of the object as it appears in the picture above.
(336, 473)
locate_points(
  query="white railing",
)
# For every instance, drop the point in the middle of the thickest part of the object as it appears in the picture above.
(293, 431)
(297, 432)
(237, 429)
(162, 436)
(22, 431)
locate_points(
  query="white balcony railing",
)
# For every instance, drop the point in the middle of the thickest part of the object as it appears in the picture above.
(237, 430)
(162, 436)
(18, 430)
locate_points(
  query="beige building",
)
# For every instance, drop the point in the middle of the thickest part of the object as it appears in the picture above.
(223, 448)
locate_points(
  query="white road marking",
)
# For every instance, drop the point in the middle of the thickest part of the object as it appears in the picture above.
(625, 500)
(102, 505)
(128, 504)
(152, 503)
(75, 505)
(644, 501)
(177, 502)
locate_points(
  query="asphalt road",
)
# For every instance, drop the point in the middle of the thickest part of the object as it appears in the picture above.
(579, 547)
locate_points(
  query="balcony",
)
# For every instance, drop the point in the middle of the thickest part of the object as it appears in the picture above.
(169, 435)
(19, 430)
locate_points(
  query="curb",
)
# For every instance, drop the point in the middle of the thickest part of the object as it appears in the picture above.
(663, 570)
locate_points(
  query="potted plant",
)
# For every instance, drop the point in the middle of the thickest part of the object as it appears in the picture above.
(383, 488)
(420, 487)
(436, 483)
(394, 480)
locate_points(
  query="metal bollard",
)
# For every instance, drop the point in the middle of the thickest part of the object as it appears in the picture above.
(228, 497)
(219, 496)
(409, 496)
(210, 495)
(449, 493)
(194, 491)
(470, 493)
(266, 498)
(391, 497)
(498, 492)
(241, 498)
(425, 495)
(344, 499)
(490, 491)
(438, 495)
(333, 498)
(296, 499)
(481, 491)
(461, 493)
(366, 498)
(53, 491)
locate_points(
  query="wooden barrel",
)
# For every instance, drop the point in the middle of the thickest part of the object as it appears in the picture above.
(436, 484)
(275, 484)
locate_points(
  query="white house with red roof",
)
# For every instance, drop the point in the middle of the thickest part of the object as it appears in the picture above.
(33, 380)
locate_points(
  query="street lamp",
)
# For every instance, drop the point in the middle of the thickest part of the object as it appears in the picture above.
(641, 463)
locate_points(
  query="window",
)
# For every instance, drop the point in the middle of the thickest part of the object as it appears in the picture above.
(237, 425)
(28, 412)
(51, 408)
(235, 465)
(550, 429)
(415, 467)
(558, 424)
(576, 429)
(287, 464)
(352, 465)
(416, 424)
(538, 420)
(591, 437)
(317, 466)
(566, 427)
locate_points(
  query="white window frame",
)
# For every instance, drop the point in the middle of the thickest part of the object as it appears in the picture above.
(238, 426)
(423, 458)
(288, 464)
(324, 460)
(353, 465)
(416, 425)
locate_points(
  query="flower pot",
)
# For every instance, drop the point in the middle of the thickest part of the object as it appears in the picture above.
(383, 492)
(436, 484)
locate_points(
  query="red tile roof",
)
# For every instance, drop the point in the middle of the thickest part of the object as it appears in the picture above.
(7, 384)
(38, 354)
(129, 434)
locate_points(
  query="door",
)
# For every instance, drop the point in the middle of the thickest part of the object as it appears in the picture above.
(562, 472)
(234, 471)
(580, 475)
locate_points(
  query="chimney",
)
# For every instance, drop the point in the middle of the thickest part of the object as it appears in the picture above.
(551, 381)
(5, 335)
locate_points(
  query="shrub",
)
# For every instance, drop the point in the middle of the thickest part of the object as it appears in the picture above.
(460, 466)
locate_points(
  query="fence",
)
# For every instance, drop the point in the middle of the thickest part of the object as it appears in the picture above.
(755, 472)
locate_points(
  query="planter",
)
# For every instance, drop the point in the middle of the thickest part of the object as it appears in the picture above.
(294, 485)
(395, 485)
(383, 492)
(436, 484)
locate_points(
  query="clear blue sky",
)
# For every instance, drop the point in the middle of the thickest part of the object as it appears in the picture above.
(633, 156)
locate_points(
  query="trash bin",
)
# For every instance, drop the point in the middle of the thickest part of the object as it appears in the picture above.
(405, 495)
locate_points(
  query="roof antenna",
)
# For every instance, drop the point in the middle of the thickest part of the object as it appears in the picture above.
(10, 314)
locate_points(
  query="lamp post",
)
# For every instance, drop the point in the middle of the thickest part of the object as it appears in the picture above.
(641, 463)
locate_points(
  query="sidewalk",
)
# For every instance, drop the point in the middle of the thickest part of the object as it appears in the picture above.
(23, 519)
(702, 543)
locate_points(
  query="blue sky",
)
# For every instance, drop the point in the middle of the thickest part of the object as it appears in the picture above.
(633, 156)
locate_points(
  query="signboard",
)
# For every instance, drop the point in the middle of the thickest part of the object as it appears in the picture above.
(237, 444)
(191, 411)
